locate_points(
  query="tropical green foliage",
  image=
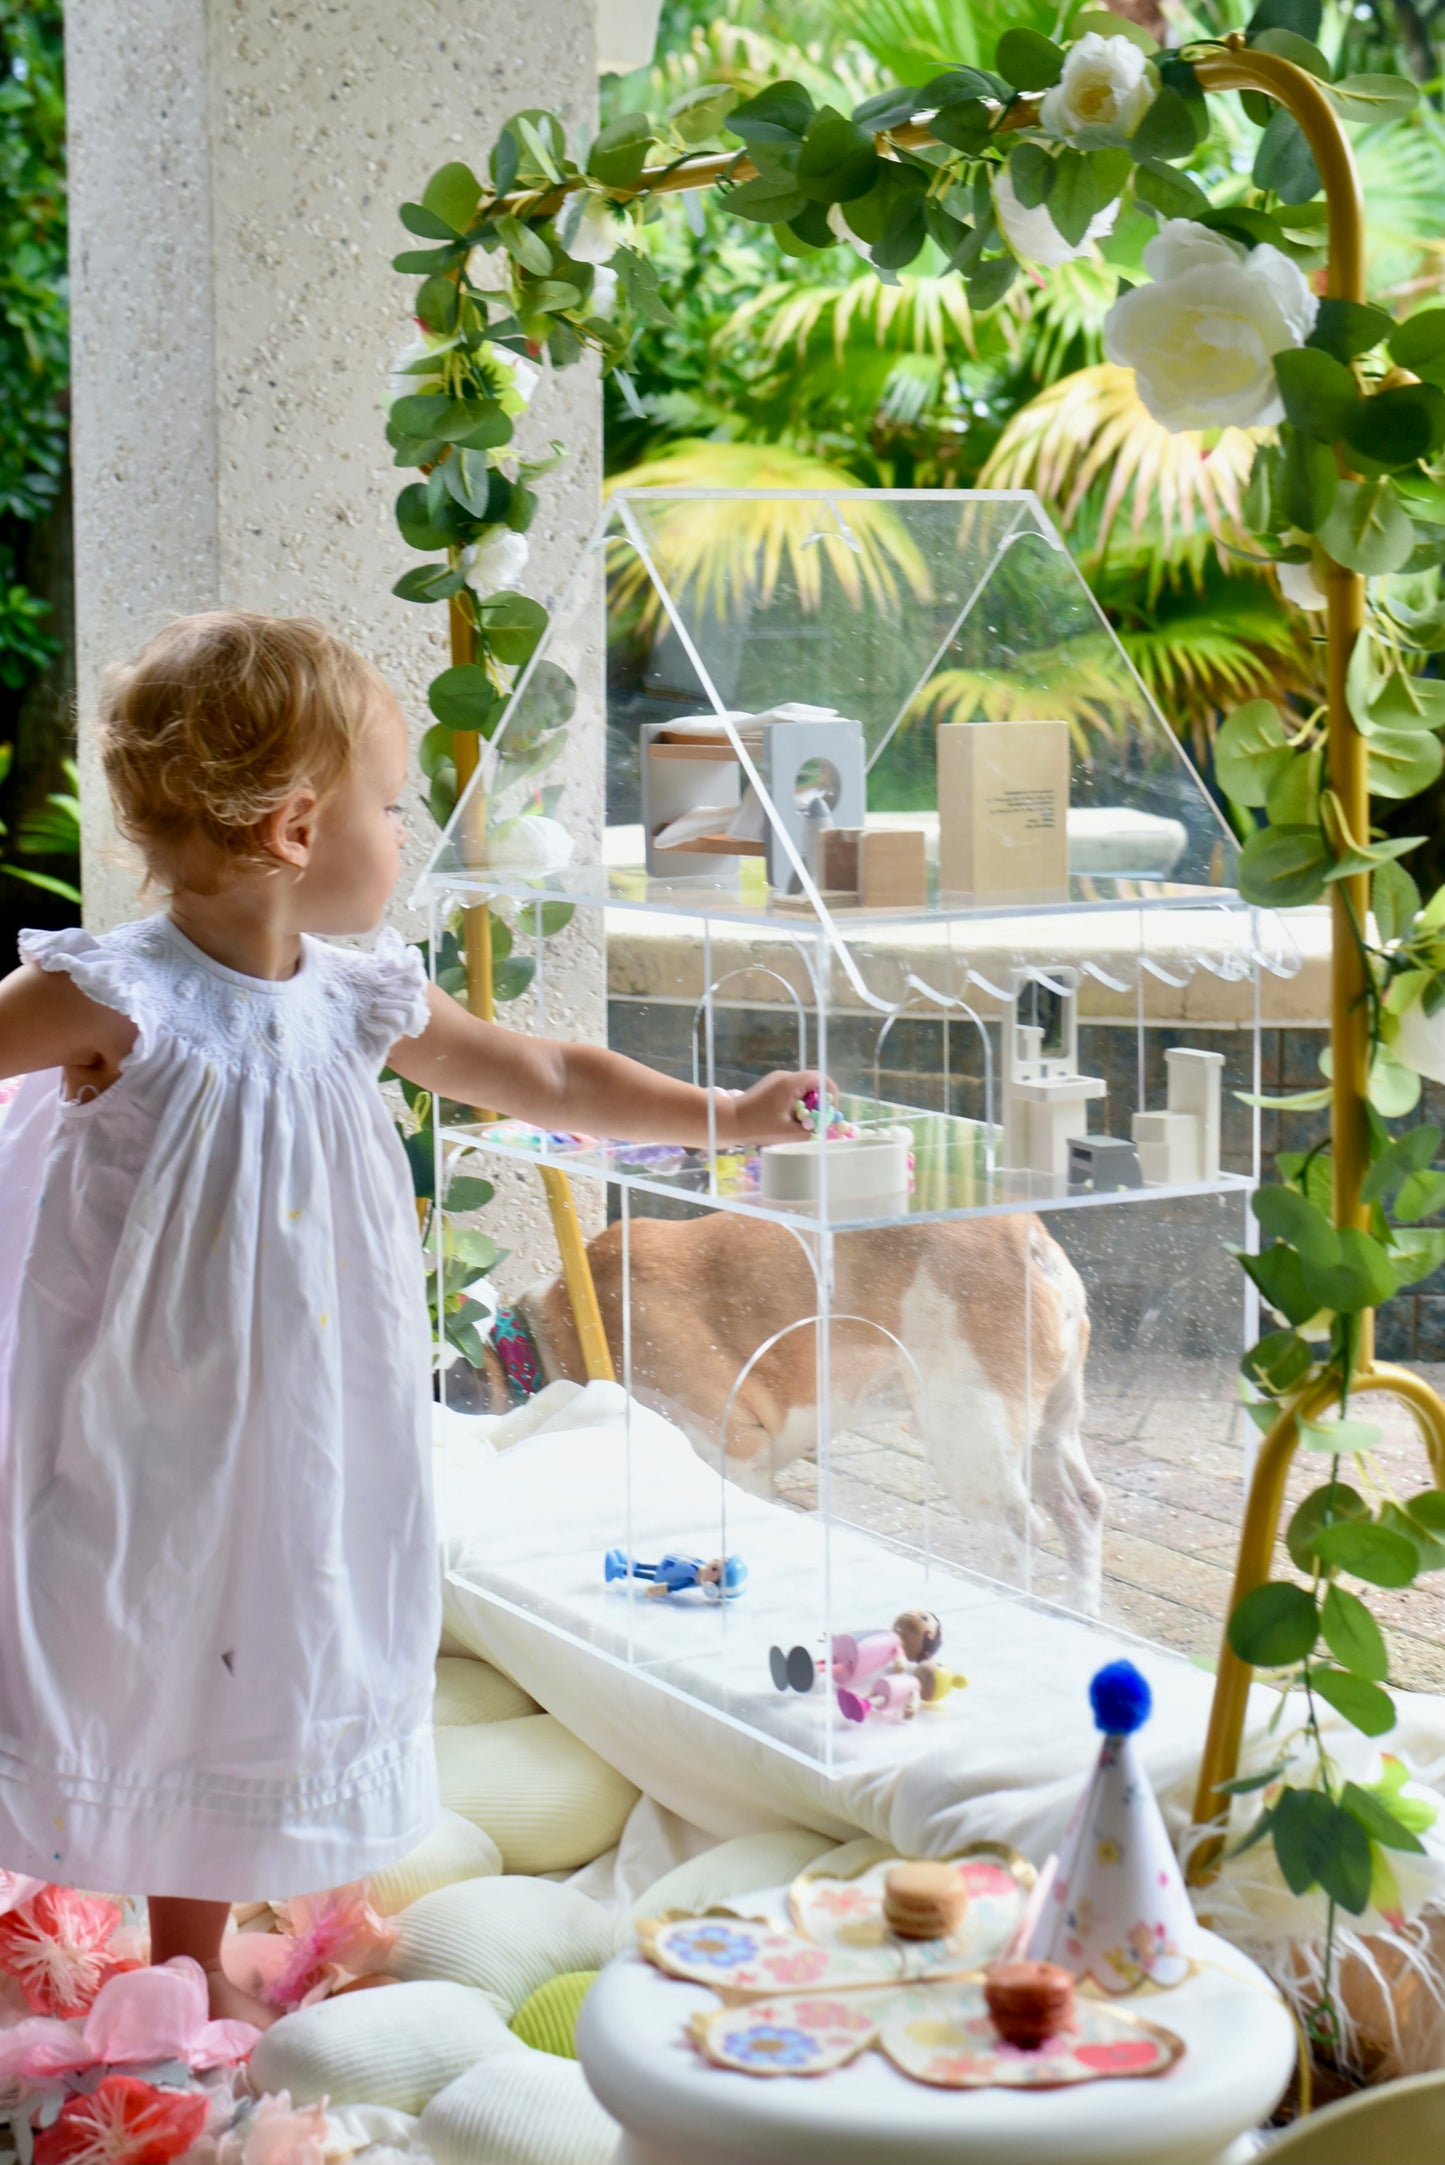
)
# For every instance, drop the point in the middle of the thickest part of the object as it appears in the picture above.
(34, 364)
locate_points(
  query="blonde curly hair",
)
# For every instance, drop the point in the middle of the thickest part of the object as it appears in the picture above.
(216, 723)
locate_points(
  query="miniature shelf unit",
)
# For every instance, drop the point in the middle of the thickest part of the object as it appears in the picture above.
(922, 1364)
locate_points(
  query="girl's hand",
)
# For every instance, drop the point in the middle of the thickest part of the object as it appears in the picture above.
(764, 1114)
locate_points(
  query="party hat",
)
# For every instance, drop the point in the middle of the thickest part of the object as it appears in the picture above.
(1118, 1912)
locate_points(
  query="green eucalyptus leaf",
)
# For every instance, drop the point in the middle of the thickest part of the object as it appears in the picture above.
(453, 194)
(465, 1192)
(701, 113)
(1287, 1215)
(1339, 1438)
(1251, 751)
(437, 303)
(778, 114)
(524, 245)
(1072, 201)
(1366, 99)
(1364, 1704)
(1294, 793)
(1395, 900)
(1368, 1551)
(619, 153)
(418, 528)
(1032, 171)
(511, 624)
(510, 979)
(638, 278)
(1366, 530)
(1028, 60)
(1333, 1504)
(1361, 1279)
(838, 161)
(1282, 867)
(1167, 129)
(425, 223)
(1317, 1843)
(1302, 18)
(990, 282)
(1394, 1089)
(1303, 51)
(1347, 328)
(1399, 426)
(1420, 1196)
(1279, 1274)
(1409, 702)
(1319, 392)
(428, 582)
(1173, 194)
(1278, 1361)
(1307, 479)
(1284, 164)
(1419, 345)
(1404, 1155)
(1378, 1821)
(1418, 1251)
(966, 126)
(1353, 1636)
(1274, 1626)
(766, 202)
(555, 917)
(894, 108)
(464, 697)
(419, 262)
(1403, 761)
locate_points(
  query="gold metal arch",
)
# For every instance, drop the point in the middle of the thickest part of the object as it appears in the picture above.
(1231, 66)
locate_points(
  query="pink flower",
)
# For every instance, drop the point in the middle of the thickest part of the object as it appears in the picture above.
(797, 1969)
(139, 2016)
(275, 2135)
(124, 2122)
(56, 1946)
(330, 1934)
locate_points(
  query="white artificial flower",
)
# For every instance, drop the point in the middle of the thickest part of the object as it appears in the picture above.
(604, 291)
(1297, 583)
(1102, 95)
(531, 843)
(838, 224)
(525, 378)
(597, 238)
(1032, 234)
(1202, 338)
(495, 563)
(401, 383)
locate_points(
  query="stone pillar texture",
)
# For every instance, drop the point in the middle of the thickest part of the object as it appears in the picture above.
(236, 167)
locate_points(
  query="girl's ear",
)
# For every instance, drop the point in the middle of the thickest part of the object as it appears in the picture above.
(289, 833)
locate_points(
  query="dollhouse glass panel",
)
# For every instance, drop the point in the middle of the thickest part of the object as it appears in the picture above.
(884, 796)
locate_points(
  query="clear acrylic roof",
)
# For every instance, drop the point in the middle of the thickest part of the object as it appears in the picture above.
(697, 625)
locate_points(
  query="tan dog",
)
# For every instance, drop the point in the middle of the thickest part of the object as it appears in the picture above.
(991, 1310)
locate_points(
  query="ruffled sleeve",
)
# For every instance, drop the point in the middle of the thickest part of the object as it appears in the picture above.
(396, 993)
(104, 971)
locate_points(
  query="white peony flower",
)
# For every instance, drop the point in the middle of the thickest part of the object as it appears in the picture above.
(1202, 337)
(1297, 583)
(1032, 234)
(525, 378)
(604, 291)
(495, 563)
(838, 224)
(598, 237)
(531, 843)
(1102, 95)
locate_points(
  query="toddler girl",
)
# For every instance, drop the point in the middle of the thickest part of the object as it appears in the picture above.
(218, 1577)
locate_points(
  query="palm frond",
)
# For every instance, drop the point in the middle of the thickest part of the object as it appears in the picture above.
(914, 39)
(1092, 428)
(1202, 653)
(1077, 681)
(718, 556)
(918, 315)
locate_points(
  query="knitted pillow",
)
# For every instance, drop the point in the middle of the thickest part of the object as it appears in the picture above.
(548, 1803)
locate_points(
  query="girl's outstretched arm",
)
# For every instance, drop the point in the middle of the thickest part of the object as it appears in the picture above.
(47, 1021)
(554, 1084)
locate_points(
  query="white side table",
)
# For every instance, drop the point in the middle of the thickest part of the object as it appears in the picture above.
(677, 2110)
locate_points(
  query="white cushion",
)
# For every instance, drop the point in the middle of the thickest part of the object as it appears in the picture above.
(528, 2108)
(471, 1691)
(502, 1937)
(455, 1849)
(549, 1803)
(394, 2045)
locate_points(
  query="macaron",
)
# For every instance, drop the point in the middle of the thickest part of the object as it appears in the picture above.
(1029, 2002)
(923, 1901)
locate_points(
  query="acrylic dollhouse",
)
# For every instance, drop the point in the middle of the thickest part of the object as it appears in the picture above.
(885, 796)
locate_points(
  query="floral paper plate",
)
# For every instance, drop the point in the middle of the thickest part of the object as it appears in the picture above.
(846, 1914)
(938, 2033)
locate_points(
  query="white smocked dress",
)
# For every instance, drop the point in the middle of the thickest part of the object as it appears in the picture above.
(219, 1589)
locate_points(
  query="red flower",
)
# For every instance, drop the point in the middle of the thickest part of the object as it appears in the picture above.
(57, 1946)
(124, 2122)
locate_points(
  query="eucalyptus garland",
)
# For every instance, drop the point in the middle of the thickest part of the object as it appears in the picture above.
(1024, 164)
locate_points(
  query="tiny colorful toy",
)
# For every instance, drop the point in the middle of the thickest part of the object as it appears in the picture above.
(716, 1578)
(887, 1673)
(817, 1117)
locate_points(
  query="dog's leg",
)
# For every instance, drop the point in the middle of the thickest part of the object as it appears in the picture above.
(1068, 1490)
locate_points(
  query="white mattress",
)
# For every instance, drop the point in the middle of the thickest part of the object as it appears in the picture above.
(525, 1530)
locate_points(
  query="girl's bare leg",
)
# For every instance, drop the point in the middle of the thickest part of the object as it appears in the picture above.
(182, 1927)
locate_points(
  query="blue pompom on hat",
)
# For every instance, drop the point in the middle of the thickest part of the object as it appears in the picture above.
(1121, 1699)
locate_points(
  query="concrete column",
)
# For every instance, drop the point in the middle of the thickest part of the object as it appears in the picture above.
(236, 167)
(235, 171)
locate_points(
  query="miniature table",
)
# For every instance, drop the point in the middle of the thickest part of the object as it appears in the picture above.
(676, 2110)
